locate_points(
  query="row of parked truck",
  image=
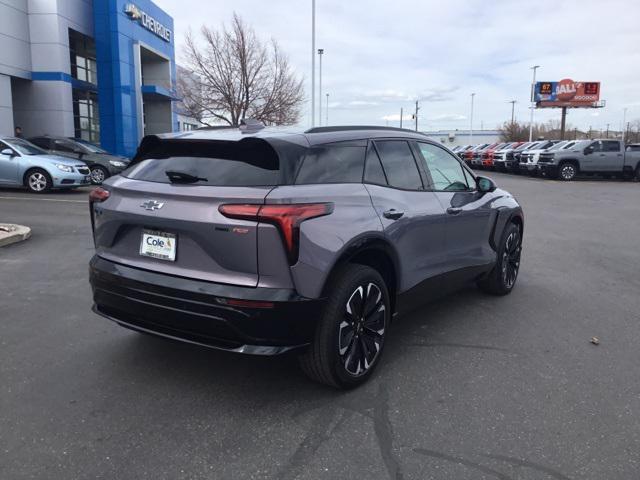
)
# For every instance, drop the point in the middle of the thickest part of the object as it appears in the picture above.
(564, 159)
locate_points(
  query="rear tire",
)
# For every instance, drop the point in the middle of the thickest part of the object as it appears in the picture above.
(38, 180)
(502, 279)
(350, 335)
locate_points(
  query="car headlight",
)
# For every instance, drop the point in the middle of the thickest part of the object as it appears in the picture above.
(64, 168)
(116, 163)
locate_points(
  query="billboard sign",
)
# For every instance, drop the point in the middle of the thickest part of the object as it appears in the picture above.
(566, 93)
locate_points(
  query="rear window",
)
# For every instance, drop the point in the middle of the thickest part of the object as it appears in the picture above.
(228, 164)
(332, 164)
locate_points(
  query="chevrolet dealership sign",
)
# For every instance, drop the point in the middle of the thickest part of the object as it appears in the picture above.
(148, 22)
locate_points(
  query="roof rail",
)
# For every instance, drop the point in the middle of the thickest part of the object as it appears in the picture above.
(347, 128)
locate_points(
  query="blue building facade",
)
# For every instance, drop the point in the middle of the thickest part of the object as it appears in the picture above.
(101, 70)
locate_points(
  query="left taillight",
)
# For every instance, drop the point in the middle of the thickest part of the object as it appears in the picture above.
(98, 195)
(287, 217)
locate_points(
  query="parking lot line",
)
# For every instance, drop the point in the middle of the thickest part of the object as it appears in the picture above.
(43, 199)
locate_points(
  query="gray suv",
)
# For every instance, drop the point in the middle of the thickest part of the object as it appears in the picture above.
(266, 241)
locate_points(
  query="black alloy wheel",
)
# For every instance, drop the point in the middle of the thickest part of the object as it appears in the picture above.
(362, 329)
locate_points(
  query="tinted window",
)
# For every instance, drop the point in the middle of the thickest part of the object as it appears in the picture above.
(596, 146)
(446, 172)
(244, 163)
(399, 164)
(64, 146)
(610, 146)
(332, 164)
(373, 172)
(41, 142)
(633, 148)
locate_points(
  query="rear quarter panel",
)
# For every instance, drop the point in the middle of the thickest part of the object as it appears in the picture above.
(324, 239)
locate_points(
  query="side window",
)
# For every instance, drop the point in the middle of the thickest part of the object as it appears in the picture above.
(41, 142)
(399, 164)
(332, 164)
(373, 172)
(446, 172)
(63, 146)
(597, 146)
(610, 146)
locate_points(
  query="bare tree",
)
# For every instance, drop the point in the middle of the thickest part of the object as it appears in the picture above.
(235, 76)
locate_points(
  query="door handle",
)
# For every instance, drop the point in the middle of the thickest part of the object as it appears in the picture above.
(393, 214)
(453, 210)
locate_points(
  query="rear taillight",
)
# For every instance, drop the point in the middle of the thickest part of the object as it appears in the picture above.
(98, 195)
(287, 217)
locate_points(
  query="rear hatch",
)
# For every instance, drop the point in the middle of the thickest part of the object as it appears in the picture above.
(171, 223)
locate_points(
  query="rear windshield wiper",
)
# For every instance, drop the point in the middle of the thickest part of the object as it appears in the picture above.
(183, 177)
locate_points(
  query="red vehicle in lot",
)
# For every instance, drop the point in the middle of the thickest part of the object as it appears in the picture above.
(478, 155)
(470, 154)
(487, 155)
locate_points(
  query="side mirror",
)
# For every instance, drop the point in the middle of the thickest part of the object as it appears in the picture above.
(8, 152)
(485, 184)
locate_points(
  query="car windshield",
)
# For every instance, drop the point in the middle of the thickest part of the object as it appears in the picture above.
(89, 147)
(24, 147)
(557, 146)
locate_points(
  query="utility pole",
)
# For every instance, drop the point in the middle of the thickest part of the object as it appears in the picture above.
(401, 115)
(624, 120)
(471, 120)
(607, 130)
(417, 109)
(533, 86)
(320, 53)
(513, 111)
(313, 63)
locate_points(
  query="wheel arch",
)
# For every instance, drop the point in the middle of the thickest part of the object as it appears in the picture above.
(31, 168)
(571, 160)
(373, 251)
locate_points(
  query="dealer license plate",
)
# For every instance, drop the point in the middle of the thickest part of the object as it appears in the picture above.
(160, 245)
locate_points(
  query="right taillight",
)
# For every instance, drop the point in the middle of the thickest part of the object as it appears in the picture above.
(287, 217)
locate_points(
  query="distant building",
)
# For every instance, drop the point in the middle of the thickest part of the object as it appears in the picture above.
(453, 138)
(100, 70)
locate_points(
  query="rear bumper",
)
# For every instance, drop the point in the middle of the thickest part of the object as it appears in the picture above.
(194, 311)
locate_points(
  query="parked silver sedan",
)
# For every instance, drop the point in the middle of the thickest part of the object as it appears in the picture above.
(22, 164)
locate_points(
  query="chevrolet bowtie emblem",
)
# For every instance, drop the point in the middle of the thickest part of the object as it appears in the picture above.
(133, 11)
(152, 205)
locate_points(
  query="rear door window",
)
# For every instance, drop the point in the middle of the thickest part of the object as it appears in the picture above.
(399, 164)
(610, 146)
(373, 172)
(332, 164)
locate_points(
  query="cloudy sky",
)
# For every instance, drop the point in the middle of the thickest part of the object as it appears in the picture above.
(381, 55)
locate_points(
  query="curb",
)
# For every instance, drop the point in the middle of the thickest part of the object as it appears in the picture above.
(15, 233)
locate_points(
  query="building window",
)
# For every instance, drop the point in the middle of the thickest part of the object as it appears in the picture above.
(187, 127)
(86, 116)
(82, 51)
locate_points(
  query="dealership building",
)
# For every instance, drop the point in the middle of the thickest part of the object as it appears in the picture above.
(102, 70)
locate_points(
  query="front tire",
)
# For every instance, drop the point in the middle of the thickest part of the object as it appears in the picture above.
(98, 175)
(567, 172)
(502, 279)
(350, 335)
(38, 181)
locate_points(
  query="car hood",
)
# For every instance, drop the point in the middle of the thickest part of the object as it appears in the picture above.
(104, 157)
(58, 159)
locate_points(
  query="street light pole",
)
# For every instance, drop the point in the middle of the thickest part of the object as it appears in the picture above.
(320, 53)
(533, 86)
(313, 63)
(417, 109)
(513, 107)
(471, 117)
(326, 109)
(401, 114)
(624, 123)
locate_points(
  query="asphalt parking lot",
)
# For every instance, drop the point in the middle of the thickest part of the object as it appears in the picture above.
(470, 387)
